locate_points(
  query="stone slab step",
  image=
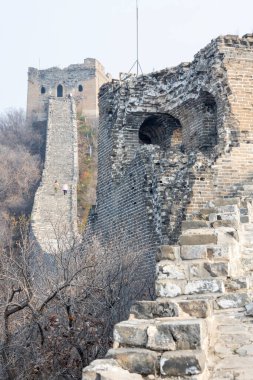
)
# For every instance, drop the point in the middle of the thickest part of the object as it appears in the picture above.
(199, 308)
(170, 289)
(108, 369)
(165, 334)
(134, 360)
(193, 270)
(195, 252)
(204, 236)
(233, 300)
(183, 363)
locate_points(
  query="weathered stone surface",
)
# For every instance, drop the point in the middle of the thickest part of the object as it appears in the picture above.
(218, 252)
(167, 252)
(218, 269)
(249, 309)
(225, 223)
(204, 286)
(170, 270)
(191, 224)
(196, 239)
(119, 374)
(196, 308)
(165, 288)
(160, 338)
(228, 301)
(175, 335)
(189, 252)
(234, 284)
(154, 309)
(131, 332)
(246, 350)
(136, 360)
(184, 363)
(187, 333)
(107, 369)
(220, 202)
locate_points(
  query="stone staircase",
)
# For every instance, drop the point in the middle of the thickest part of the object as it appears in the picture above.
(54, 216)
(196, 329)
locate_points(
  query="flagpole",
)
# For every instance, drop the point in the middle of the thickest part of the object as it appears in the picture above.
(137, 37)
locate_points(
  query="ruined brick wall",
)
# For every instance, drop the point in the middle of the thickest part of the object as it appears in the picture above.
(172, 140)
(80, 80)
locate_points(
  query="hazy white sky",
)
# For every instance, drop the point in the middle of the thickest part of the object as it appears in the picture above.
(61, 32)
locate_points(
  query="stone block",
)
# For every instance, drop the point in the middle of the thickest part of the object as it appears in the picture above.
(154, 309)
(140, 361)
(167, 252)
(244, 219)
(229, 301)
(204, 286)
(196, 308)
(175, 335)
(193, 252)
(107, 369)
(165, 288)
(131, 333)
(249, 309)
(219, 202)
(166, 269)
(192, 224)
(183, 363)
(205, 212)
(234, 284)
(198, 239)
(160, 338)
(228, 209)
(225, 223)
(246, 350)
(218, 252)
(188, 334)
(219, 269)
(227, 235)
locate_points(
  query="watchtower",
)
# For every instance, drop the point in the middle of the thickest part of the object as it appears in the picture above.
(81, 81)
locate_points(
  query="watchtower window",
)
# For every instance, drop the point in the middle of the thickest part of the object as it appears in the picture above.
(43, 90)
(80, 88)
(59, 91)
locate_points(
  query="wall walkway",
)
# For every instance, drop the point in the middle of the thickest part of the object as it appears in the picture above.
(54, 216)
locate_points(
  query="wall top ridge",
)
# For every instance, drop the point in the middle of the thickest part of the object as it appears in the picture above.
(88, 64)
(228, 46)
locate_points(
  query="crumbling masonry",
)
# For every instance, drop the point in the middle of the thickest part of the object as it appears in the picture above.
(175, 172)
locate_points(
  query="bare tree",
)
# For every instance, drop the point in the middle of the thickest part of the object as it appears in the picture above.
(56, 320)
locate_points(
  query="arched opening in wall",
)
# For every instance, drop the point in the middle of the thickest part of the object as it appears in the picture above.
(163, 130)
(43, 90)
(59, 91)
(80, 88)
(208, 136)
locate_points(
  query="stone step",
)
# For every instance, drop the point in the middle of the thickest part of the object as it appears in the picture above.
(166, 334)
(196, 252)
(184, 364)
(108, 369)
(204, 236)
(166, 308)
(232, 300)
(193, 270)
(170, 289)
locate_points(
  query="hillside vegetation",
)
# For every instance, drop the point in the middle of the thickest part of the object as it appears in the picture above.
(87, 152)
